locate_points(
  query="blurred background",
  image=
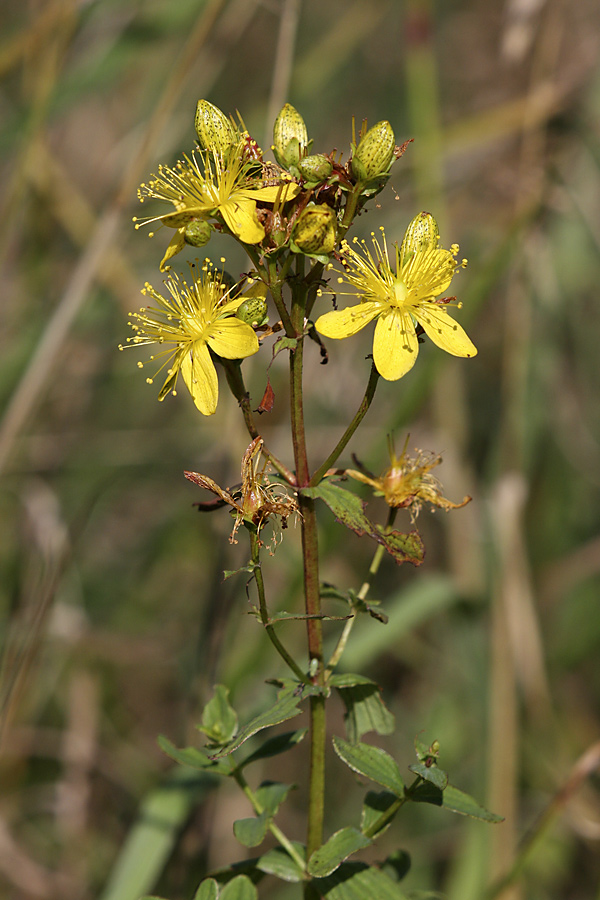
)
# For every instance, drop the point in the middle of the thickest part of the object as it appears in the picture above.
(115, 619)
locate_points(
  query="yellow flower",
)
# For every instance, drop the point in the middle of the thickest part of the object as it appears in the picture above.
(195, 317)
(257, 500)
(223, 188)
(400, 299)
(408, 482)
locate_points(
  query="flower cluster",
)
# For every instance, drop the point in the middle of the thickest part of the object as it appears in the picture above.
(301, 205)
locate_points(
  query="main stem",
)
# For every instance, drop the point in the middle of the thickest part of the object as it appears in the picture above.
(312, 595)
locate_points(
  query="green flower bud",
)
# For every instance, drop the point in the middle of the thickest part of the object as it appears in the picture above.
(317, 167)
(215, 131)
(253, 311)
(315, 230)
(374, 153)
(290, 137)
(421, 234)
(197, 233)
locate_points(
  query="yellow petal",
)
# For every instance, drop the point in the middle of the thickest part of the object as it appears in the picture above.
(285, 191)
(343, 323)
(200, 376)
(232, 339)
(395, 345)
(176, 244)
(240, 215)
(443, 330)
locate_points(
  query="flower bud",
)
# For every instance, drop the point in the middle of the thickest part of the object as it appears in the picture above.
(215, 131)
(317, 167)
(197, 233)
(374, 153)
(315, 231)
(290, 137)
(253, 311)
(421, 234)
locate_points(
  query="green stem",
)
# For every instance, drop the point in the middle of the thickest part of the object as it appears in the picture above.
(310, 555)
(264, 612)
(360, 414)
(235, 380)
(373, 569)
(350, 210)
(389, 814)
(275, 286)
(273, 828)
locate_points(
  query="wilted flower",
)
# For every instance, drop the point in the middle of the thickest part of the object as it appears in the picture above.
(195, 317)
(408, 482)
(400, 299)
(257, 500)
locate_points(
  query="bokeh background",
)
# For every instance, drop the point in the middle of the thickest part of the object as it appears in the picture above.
(115, 617)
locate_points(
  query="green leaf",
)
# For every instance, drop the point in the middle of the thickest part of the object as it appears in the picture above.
(285, 708)
(193, 756)
(252, 832)
(431, 773)
(239, 888)
(349, 510)
(397, 865)
(365, 709)
(275, 745)
(372, 762)
(374, 805)
(208, 890)
(454, 800)
(279, 863)
(271, 794)
(219, 719)
(284, 343)
(333, 852)
(228, 573)
(357, 881)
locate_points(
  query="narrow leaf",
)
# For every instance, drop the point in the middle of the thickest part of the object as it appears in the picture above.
(454, 800)
(285, 708)
(193, 756)
(372, 762)
(349, 511)
(279, 863)
(431, 773)
(333, 852)
(275, 745)
(357, 881)
(252, 832)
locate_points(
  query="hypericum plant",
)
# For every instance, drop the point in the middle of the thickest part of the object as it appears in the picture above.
(291, 218)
